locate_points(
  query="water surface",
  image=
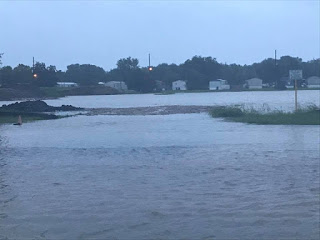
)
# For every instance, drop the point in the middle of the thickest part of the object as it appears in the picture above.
(183, 176)
(281, 100)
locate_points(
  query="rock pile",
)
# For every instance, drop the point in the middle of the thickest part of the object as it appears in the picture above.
(36, 106)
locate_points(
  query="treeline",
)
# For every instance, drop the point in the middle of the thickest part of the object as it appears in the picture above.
(197, 71)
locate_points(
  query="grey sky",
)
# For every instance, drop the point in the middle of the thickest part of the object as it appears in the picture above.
(101, 32)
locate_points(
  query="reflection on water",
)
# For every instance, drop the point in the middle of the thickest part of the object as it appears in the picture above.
(281, 100)
(158, 177)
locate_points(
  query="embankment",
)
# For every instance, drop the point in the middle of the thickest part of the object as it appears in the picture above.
(306, 116)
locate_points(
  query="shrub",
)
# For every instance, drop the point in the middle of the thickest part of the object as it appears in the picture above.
(227, 112)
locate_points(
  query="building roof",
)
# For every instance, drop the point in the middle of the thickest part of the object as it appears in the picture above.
(179, 81)
(219, 80)
(314, 80)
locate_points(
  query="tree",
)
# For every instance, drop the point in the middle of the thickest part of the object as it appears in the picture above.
(128, 63)
(199, 71)
(45, 76)
(167, 74)
(237, 74)
(311, 68)
(136, 78)
(287, 63)
(139, 80)
(6, 75)
(0, 68)
(61, 76)
(22, 74)
(115, 75)
(266, 70)
(85, 74)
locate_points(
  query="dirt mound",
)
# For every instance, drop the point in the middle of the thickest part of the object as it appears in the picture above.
(36, 106)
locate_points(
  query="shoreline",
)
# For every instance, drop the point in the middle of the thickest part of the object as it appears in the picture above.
(39, 110)
(55, 93)
(43, 93)
(11, 117)
(144, 111)
(306, 116)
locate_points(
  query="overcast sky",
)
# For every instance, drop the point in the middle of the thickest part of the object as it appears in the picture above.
(101, 32)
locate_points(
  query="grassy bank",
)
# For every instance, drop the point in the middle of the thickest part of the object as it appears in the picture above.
(28, 92)
(308, 116)
(12, 117)
(168, 92)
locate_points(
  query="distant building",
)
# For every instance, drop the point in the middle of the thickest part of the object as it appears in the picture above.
(313, 82)
(253, 83)
(219, 84)
(67, 84)
(179, 85)
(118, 85)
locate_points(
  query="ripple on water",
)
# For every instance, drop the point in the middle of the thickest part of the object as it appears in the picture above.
(158, 192)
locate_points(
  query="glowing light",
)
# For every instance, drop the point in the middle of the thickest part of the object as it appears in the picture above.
(150, 68)
(35, 75)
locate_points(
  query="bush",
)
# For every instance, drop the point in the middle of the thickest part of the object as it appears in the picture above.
(306, 116)
(226, 112)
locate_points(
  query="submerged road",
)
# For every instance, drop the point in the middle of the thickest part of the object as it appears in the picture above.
(157, 110)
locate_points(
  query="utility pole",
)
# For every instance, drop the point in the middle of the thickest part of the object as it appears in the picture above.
(295, 75)
(296, 94)
(33, 74)
(0, 68)
(149, 67)
(275, 68)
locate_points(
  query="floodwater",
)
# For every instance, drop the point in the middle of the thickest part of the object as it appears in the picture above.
(281, 100)
(180, 176)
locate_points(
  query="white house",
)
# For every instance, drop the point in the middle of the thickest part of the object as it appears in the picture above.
(67, 84)
(121, 86)
(179, 85)
(313, 82)
(253, 83)
(219, 84)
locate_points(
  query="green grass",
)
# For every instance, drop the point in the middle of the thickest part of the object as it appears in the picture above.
(53, 92)
(165, 93)
(307, 116)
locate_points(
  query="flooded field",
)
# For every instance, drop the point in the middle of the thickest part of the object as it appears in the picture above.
(281, 100)
(179, 176)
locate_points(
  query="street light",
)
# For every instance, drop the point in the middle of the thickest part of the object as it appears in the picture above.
(34, 74)
(149, 67)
